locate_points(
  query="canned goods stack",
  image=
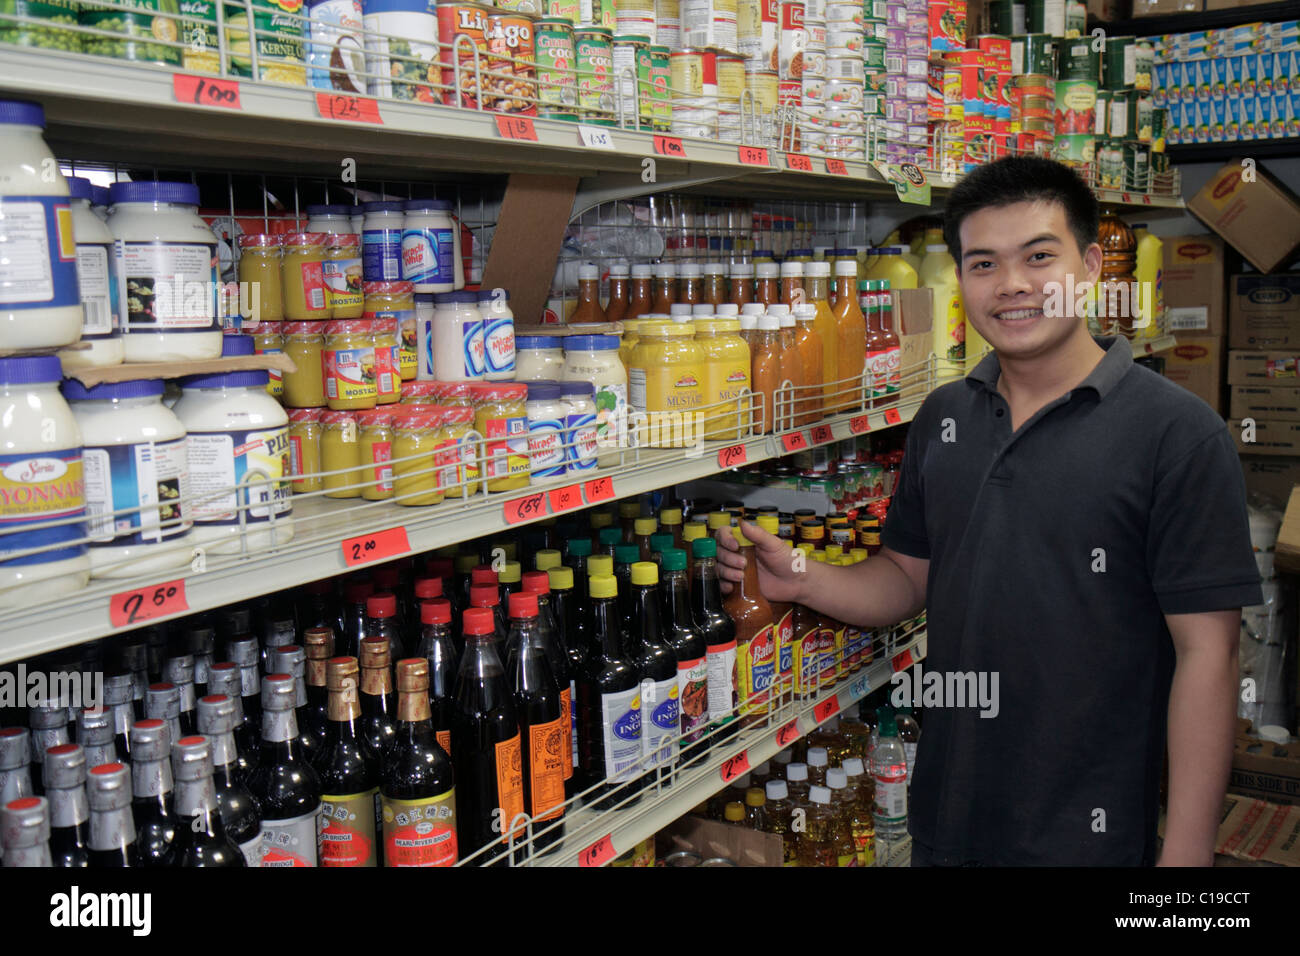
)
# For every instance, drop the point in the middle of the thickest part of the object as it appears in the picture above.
(995, 92)
(844, 95)
(874, 45)
(812, 115)
(757, 40)
(507, 65)
(731, 87)
(1033, 98)
(896, 109)
(633, 82)
(1078, 72)
(694, 84)
(792, 44)
(1125, 119)
(594, 65)
(947, 25)
(916, 69)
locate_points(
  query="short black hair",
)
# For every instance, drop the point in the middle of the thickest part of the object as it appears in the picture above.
(1014, 179)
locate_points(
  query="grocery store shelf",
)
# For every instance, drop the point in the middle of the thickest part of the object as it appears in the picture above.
(603, 835)
(1222, 152)
(1186, 21)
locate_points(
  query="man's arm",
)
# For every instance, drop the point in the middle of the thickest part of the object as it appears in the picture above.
(886, 588)
(1202, 711)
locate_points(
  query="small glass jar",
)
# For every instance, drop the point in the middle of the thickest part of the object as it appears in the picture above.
(388, 362)
(305, 430)
(342, 267)
(539, 358)
(501, 417)
(419, 393)
(461, 476)
(418, 433)
(268, 341)
(302, 276)
(454, 394)
(259, 270)
(375, 436)
(340, 451)
(304, 343)
(396, 301)
(350, 371)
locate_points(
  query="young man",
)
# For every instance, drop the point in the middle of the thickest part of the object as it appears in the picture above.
(1075, 526)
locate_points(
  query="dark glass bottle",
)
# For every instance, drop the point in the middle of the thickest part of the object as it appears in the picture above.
(417, 783)
(111, 837)
(509, 581)
(388, 580)
(65, 788)
(625, 555)
(319, 606)
(218, 718)
(15, 765)
(118, 704)
(179, 671)
(609, 729)
(425, 590)
(349, 776)
(378, 705)
(485, 743)
(201, 641)
(224, 680)
(608, 539)
(352, 621)
(318, 645)
(539, 583)
(657, 665)
(245, 654)
(25, 827)
(151, 786)
(49, 724)
(284, 784)
(437, 648)
(133, 659)
(275, 621)
(719, 639)
(382, 621)
(201, 838)
(163, 702)
(489, 598)
(543, 721)
(687, 642)
(574, 629)
(290, 659)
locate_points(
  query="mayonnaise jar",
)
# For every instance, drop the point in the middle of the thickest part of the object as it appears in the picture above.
(97, 280)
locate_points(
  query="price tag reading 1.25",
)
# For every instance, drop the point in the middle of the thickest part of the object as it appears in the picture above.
(821, 434)
(206, 91)
(795, 441)
(598, 489)
(517, 127)
(827, 708)
(799, 162)
(599, 853)
(526, 508)
(145, 604)
(670, 146)
(732, 456)
(596, 138)
(379, 546)
(733, 767)
(562, 499)
(788, 734)
(754, 156)
(836, 167)
(353, 109)
(859, 424)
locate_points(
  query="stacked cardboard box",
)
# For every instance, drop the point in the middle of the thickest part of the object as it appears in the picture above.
(1264, 363)
(1193, 284)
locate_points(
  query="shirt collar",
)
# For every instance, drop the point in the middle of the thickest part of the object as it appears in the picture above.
(1114, 365)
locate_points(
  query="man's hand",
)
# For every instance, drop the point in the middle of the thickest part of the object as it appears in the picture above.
(777, 579)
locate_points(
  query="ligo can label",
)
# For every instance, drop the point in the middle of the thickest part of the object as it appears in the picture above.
(557, 83)
(595, 57)
(505, 44)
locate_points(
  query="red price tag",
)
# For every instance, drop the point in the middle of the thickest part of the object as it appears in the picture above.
(836, 167)
(354, 109)
(145, 604)
(517, 127)
(732, 456)
(599, 853)
(598, 489)
(375, 547)
(822, 434)
(799, 162)
(670, 146)
(206, 91)
(1124, 197)
(754, 156)
(523, 509)
(859, 424)
(733, 767)
(562, 499)
(903, 661)
(788, 734)
(795, 441)
(827, 708)
(1146, 200)
(892, 416)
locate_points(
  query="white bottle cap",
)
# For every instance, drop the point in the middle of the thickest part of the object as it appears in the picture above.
(742, 270)
(768, 323)
(683, 319)
(753, 308)
(817, 269)
(853, 766)
(819, 794)
(727, 310)
(665, 270)
(618, 268)
(714, 269)
(768, 270)
(789, 269)
(786, 319)
(846, 267)
(836, 778)
(689, 270)
(817, 757)
(777, 790)
(588, 272)
(642, 270)
(680, 308)
(748, 323)
(805, 311)
(778, 308)
(796, 772)
(937, 247)
(702, 311)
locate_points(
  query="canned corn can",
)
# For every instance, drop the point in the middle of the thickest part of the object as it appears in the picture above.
(556, 80)
(594, 55)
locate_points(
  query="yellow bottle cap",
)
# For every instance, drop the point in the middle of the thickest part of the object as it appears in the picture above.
(550, 558)
(769, 523)
(735, 812)
(694, 529)
(511, 573)
(629, 509)
(561, 577)
(512, 549)
(465, 563)
(718, 519)
(604, 586)
(834, 550)
(599, 564)
(645, 572)
(754, 797)
(740, 538)
(601, 519)
(645, 526)
(670, 516)
(819, 556)
(858, 554)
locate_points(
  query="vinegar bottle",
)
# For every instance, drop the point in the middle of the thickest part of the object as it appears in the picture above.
(660, 720)
(436, 647)
(349, 776)
(151, 786)
(201, 838)
(687, 642)
(218, 718)
(65, 787)
(111, 830)
(609, 732)
(574, 633)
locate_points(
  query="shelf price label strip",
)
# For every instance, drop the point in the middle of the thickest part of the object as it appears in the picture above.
(206, 91)
(733, 767)
(599, 853)
(379, 546)
(732, 456)
(144, 604)
(352, 109)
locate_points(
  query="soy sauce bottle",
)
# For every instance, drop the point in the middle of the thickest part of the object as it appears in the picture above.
(65, 787)
(352, 618)
(349, 776)
(437, 647)
(575, 636)
(417, 782)
(224, 681)
(378, 705)
(290, 659)
(201, 838)
(657, 664)
(179, 671)
(687, 642)
(485, 744)
(719, 639)
(318, 645)
(539, 583)
(218, 718)
(609, 708)
(117, 700)
(151, 784)
(284, 784)
(111, 838)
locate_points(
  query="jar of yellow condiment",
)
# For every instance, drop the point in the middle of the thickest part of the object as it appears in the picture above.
(340, 451)
(628, 342)
(349, 370)
(304, 449)
(460, 476)
(304, 342)
(419, 393)
(343, 283)
(453, 394)
(375, 435)
(726, 376)
(388, 373)
(502, 420)
(664, 381)
(259, 272)
(302, 276)
(267, 341)
(415, 474)
(396, 301)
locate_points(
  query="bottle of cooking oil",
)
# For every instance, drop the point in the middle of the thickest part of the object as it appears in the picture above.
(843, 803)
(779, 819)
(817, 843)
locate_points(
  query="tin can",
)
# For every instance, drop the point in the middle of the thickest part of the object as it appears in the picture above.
(1143, 65)
(564, 9)
(668, 23)
(1045, 16)
(1103, 113)
(401, 38)
(814, 88)
(843, 93)
(1077, 60)
(1117, 103)
(1075, 149)
(1160, 130)
(841, 11)
(1109, 160)
(792, 40)
(507, 62)
(635, 18)
(844, 41)
(696, 122)
(594, 54)
(1141, 117)
(764, 86)
(845, 68)
(1119, 63)
(756, 33)
(731, 78)
(694, 74)
(281, 57)
(873, 54)
(632, 82)
(947, 26)
(660, 77)
(683, 858)
(556, 82)
(1002, 19)
(597, 13)
(1076, 107)
(710, 23)
(1033, 53)
(533, 8)
(1137, 166)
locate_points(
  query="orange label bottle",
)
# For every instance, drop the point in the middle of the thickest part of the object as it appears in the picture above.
(851, 334)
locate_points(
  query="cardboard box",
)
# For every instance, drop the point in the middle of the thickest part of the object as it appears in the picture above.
(711, 839)
(1158, 8)
(1108, 10)
(1266, 437)
(1254, 213)
(1264, 311)
(1196, 363)
(1286, 551)
(1263, 368)
(1266, 771)
(1270, 477)
(1256, 831)
(914, 319)
(1193, 284)
(1278, 402)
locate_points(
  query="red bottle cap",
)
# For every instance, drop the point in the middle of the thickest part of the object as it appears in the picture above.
(388, 577)
(483, 575)
(478, 621)
(440, 567)
(358, 591)
(484, 596)
(437, 611)
(426, 589)
(537, 582)
(381, 605)
(523, 604)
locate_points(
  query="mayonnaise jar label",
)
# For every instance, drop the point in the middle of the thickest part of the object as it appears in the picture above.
(427, 256)
(150, 477)
(37, 488)
(218, 461)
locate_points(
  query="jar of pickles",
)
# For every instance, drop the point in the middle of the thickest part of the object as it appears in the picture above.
(259, 272)
(304, 343)
(342, 267)
(418, 434)
(396, 301)
(375, 436)
(305, 449)
(267, 341)
(340, 455)
(349, 368)
(302, 276)
(501, 417)
(460, 474)
(388, 376)
(419, 393)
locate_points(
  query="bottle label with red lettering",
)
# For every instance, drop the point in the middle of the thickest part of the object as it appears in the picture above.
(420, 832)
(805, 663)
(348, 833)
(756, 666)
(547, 746)
(510, 782)
(293, 842)
(723, 686)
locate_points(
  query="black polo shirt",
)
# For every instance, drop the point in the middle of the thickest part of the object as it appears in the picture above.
(1127, 472)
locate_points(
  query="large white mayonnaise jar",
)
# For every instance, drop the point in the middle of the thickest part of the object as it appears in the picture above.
(498, 335)
(40, 482)
(40, 301)
(167, 262)
(135, 464)
(332, 218)
(457, 329)
(594, 359)
(236, 433)
(101, 337)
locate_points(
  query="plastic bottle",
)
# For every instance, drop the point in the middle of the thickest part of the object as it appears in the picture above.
(851, 335)
(97, 279)
(889, 769)
(778, 819)
(756, 809)
(818, 763)
(616, 308)
(842, 803)
(909, 732)
(862, 824)
(589, 309)
(939, 274)
(1150, 276)
(891, 264)
(817, 844)
(796, 778)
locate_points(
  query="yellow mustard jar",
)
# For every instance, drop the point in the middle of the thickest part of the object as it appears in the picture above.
(664, 381)
(726, 376)
(453, 394)
(340, 452)
(415, 474)
(501, 418)
(396, 301)
(350, 366)
(460, 474)
(259, 273)
(388, 373)
(631, 332)
(268, 341)
(304, 343)
(419, 393)
(375, 436)
(302, 276)
(305, 449)
(343, 284)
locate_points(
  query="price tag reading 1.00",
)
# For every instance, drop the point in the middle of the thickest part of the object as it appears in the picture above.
(145, 604)
(599, 853)
(754, 156)
(732, 456)
(795, 441)
(526, 508)
(353, 109)
(206, 91)
(517, 127)
(836, 167)
(733, 767)
(562, 499)
(821, 434)
(827, 708)
(598, 489)
(670, 146)
(859, 424)
(596, 138)
(799, 162)
(788, 734)
(892, 416)
(380, 546)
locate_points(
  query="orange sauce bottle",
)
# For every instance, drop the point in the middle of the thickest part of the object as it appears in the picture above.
(767, 289)
(742, 283)
(715, 284)
(665, 288)
(616, 308)
(850, 329)
(809, 345)
(792, 293)
(765, 368)
(690, 287)
(791, 367)
(639, 297)
(588, 309)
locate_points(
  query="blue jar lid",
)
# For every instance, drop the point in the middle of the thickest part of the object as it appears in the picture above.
(22, 113)
(248, 379)
(30, 369)
(79, 188)
(543, 391)
(590, 343)
(184, 193)
(536, 342)
(100, 195)
(73, 390)
(577, 388)
(382, 207)
(328, 209)
(464, 297)
(237, 345)
(488, 295)
(438, 205)
(764, 254)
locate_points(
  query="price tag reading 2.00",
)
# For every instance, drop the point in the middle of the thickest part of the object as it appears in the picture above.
(379, 546)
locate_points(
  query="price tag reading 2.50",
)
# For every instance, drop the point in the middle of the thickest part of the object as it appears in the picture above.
(145, 604)
(380, 546)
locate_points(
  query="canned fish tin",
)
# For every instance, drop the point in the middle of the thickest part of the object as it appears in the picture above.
(660, 77)
(694, 74)
(837, 11)
(756, 33)
(1077, 60)
(843, 93)
(631, 63)
(594, 55)
(507, 63)
(1119, 63)
(556, 83)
